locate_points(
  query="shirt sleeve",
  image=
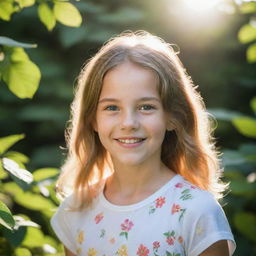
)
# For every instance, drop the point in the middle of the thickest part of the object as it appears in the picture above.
(61, 224)
(204, 224)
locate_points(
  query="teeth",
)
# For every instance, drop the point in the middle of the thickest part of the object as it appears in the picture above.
(130, 141)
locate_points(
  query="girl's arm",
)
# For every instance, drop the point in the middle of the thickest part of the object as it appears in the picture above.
(68, 252)
(219, 248)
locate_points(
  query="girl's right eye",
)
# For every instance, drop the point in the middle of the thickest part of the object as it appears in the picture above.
(111, 108)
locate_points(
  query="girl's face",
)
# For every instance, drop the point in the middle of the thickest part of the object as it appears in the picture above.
(130, 119)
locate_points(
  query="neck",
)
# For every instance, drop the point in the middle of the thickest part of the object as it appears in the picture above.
(129, 184)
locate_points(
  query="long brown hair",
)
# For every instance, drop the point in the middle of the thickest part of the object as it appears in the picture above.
(188, 149)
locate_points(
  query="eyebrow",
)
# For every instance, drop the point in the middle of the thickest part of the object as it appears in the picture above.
(140, 99)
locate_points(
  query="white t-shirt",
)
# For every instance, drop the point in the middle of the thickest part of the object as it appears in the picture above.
(177, 220)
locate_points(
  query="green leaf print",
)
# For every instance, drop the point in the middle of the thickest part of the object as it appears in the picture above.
(124, 234)
(186, 195)
(182, 213)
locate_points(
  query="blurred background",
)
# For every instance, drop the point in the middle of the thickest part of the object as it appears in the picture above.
(217, 44)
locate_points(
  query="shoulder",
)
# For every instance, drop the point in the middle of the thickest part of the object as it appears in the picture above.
(195, 200)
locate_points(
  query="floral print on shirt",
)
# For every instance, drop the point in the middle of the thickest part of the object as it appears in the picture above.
(158, 203)
(126, 226)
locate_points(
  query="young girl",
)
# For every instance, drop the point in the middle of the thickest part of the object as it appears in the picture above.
(141, 163)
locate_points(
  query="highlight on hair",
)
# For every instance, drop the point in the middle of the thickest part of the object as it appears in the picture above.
(188, 149)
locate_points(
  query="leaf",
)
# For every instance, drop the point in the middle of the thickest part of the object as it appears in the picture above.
(245, 222)
(17, 157)
(6, 9)
(224, 114)
(13, 168)
(25, 3)
(22, 252)
(233, 157)
(253, 104)
(22, 76)
(251, 53)
(6, 218)
(8, 141)
(34, 238)
(12, 43)
(67, 14)
(246, 126)
(248, 7)
(241, 187)
(46, 16)
(21, 222)
(45, 173)
(33, 201)
(247, 33)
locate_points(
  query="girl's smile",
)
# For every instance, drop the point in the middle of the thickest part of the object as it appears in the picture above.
(130, 119)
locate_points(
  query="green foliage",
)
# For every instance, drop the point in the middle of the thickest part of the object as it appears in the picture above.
(247, 33)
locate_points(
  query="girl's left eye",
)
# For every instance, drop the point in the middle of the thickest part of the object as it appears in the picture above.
(147, 107)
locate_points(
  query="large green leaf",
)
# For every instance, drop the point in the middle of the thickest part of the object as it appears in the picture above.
(45, 173)
(22, 76)
(46, 16)
(251, 53)
(6, 9)
(245, 222)
(6, 218)
(34, 238)
(246, 126)
(247, 33)
(33, 201)
(17, 157)
(13, 168)
(67, 14)
(8, 141)
(12, 43)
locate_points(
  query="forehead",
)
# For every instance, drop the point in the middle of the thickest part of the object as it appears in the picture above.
(130, 79)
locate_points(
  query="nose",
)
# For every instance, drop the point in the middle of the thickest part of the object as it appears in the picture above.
(129, 121)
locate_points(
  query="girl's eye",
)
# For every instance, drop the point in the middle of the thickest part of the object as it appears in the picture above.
(147, 107)
(111, 108)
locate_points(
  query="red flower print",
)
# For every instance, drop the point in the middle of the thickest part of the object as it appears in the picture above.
(160, 201)
(127, 225)
(142, 251)
(179, 185)
(175, 208)
(98, 218)
(156, 245)
(170, 240)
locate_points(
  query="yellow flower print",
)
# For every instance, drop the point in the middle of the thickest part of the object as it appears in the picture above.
(92, 252)
(80, 237)
(199, 230)
(78, 251)
(122, 251)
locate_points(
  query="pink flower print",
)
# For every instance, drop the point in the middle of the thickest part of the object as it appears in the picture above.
(126, 227)
(170, 240)
(156, 245)
(193, 187)
(98, 218)
(179, 185)
(142, 250)
(160, 201)
(170, 237)
(175, 208)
